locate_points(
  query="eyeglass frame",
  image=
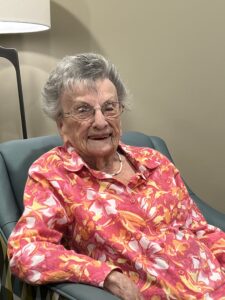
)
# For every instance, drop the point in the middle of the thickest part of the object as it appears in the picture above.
(69, 114)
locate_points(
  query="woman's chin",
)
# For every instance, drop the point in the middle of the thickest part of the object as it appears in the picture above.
(100, 148)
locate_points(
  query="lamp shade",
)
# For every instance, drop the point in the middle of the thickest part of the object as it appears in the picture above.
(18, 16)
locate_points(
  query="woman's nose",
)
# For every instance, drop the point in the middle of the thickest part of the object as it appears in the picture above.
(99, 119)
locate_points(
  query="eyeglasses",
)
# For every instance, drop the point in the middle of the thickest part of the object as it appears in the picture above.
(85, 111)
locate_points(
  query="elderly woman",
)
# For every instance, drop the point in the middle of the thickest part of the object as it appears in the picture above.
(107, 214)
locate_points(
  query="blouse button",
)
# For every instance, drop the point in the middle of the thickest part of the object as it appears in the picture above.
(132, 199)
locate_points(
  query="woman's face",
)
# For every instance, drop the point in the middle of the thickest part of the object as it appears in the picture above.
(96, 137)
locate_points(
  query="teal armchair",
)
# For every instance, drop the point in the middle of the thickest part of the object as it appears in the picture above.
(15, 159)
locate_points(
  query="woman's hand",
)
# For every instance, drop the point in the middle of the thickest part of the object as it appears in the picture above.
(120, 285)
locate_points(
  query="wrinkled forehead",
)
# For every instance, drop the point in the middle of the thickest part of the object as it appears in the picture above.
(79, 89)
(74, 88)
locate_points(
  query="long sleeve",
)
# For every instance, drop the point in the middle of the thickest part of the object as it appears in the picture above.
(36, 247)
(211, 236)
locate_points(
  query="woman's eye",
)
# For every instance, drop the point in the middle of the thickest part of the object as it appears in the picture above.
(82, 109)
(109, 107)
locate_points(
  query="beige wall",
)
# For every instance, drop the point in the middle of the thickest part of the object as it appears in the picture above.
(170, 53)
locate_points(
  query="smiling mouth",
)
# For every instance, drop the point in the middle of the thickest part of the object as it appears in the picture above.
(99, 137)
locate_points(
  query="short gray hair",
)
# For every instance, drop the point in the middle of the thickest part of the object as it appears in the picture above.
(82, 68)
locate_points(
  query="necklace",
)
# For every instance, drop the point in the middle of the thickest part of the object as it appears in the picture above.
(121, 165)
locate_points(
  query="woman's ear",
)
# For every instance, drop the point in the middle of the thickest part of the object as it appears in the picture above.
(61, 129)
(59, 124)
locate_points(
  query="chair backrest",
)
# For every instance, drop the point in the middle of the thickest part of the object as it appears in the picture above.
(15, 159)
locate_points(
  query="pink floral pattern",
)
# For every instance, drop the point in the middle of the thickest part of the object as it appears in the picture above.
(79, 224)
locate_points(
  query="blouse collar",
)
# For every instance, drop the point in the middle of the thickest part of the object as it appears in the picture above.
(142, 158)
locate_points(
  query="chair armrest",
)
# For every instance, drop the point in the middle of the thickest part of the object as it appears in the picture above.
(11, 286)
(78, 291)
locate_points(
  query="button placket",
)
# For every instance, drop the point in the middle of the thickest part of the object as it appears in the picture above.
(131, 195)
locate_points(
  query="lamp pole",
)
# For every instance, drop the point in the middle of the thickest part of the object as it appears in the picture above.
(12, 55)
(21, 17)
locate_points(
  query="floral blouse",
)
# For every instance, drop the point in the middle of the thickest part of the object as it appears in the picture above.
(79, 224)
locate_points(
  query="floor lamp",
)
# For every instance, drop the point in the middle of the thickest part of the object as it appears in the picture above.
(21, 16)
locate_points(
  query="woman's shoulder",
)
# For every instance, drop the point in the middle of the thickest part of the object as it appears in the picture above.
(149, 157)
(48, 160)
